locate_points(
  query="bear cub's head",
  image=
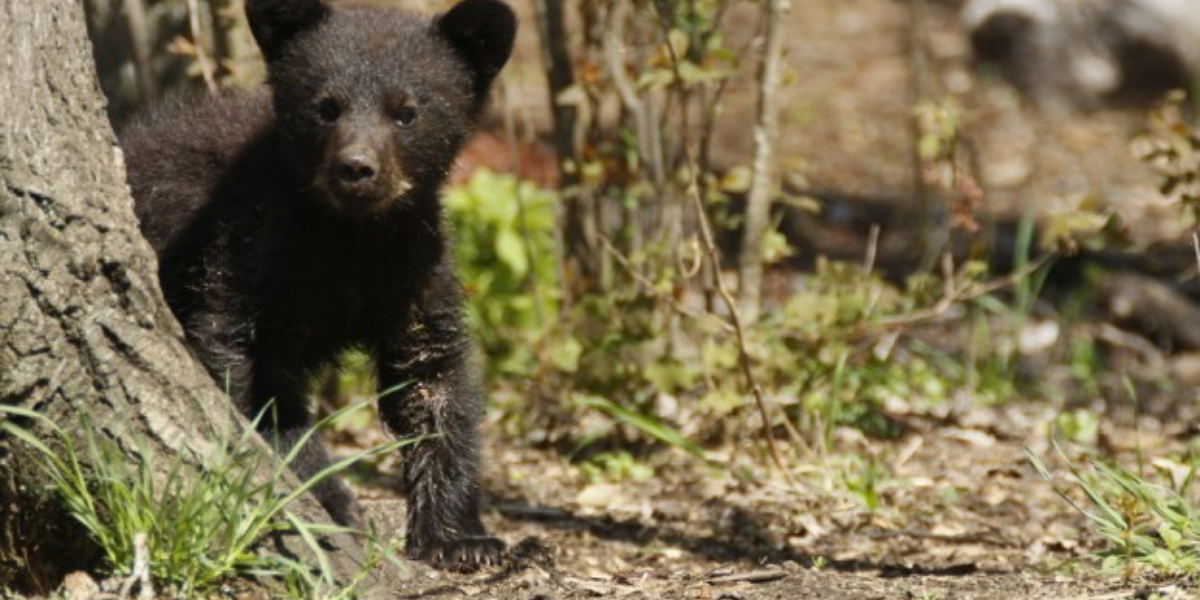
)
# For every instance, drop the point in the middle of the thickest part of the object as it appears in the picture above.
(374, 105)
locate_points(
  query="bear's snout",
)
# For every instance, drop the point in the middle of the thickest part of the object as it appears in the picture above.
(362, 178)
(357, 165)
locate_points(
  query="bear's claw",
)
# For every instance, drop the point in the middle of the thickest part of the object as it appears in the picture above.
(464, 555)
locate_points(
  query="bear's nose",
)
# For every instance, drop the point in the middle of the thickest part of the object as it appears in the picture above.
(357, 164)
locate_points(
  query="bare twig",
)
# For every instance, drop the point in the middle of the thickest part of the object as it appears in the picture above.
(648, 286)
(872, 249)
(708, 121)
(649, 150)
(764, 177)
(762, 576)
(1196, 247)
(140, 575)
(139, 40)
(710, 247)
(625, 88)
(206, 67)
(222, 28)
(691, 270)
(920, 81)
(795, 435)
(990, 538)
(957, 294)
(514, 166)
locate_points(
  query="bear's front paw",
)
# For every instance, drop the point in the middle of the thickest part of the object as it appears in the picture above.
(463, 555)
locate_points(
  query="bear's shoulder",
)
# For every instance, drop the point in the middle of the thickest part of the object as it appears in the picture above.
(209, 127)
(181, 155)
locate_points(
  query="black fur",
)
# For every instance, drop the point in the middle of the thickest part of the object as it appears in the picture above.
(293, 225)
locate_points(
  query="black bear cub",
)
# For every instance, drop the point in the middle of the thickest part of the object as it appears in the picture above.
(292, 225)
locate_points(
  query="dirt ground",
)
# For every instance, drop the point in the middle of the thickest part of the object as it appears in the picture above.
(963, 514)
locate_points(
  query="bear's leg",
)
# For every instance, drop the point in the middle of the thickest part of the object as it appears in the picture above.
(268, 391)
(441, 472)
(286, 419)
(337, 499)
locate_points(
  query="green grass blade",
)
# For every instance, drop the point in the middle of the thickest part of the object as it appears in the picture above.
(644, 423)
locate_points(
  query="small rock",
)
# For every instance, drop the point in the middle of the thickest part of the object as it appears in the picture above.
(78, 586)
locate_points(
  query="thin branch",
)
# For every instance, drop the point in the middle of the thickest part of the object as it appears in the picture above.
(1196, 247)
(649, 288)
(514, 166)
(139, 40)
(206, 67)
(764, 176)
(735, 318)
(957, 294)
(872, 249)
(222, 28)
(710, 247)
(708, 120)
(625, 89)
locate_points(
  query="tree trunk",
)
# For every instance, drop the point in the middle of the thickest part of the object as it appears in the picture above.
(83, 326)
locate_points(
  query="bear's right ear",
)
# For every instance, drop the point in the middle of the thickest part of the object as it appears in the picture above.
(482, 33)
(275, 22)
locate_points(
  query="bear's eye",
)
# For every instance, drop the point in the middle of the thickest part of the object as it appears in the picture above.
(405, 116)
(328, 110)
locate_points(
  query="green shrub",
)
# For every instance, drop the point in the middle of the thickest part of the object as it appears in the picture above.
(504, 231)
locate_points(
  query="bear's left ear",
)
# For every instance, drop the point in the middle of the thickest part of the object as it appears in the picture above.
(275, 22)
(482, 32)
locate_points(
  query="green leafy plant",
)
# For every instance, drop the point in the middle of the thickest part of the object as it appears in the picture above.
(1080, 425)
(866, 482)
(1147, 525)
(201, 528)
(504, 231)
(616, 466)
(846, 344)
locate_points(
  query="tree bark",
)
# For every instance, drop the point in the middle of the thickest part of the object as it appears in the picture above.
(83, 326)
(764, 183)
